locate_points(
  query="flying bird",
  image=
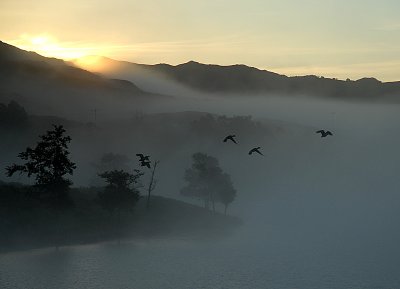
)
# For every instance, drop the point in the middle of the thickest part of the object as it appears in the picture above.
(145, 164)
(230, 137)
(143, 157)
(255, 150)
(324, 133)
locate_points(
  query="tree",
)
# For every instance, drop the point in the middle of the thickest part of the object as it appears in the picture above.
(152, 184)
(120, 193)
(200, 178)
(13, 115)
(49, 162)
(226, 191)
(207, 181)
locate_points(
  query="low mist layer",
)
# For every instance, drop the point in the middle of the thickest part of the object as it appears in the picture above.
(316, 212)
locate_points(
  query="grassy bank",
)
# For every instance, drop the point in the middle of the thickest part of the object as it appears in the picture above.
(26, 224)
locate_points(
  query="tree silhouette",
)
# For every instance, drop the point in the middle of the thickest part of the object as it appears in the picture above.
(207, 181)
(152, 184)
(49, 162)
(13, 115)
(120, 193)
(226, 191)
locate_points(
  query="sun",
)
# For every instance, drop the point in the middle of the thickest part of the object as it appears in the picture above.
(84, 55)
(93, 62)
(39, 40)
(49, 46)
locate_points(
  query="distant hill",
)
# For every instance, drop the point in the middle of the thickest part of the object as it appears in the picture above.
(168, 137)
(148, 77)
(52, 86)
(242, 79)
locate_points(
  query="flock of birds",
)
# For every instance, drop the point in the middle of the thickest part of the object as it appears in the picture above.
(145, 160)
(231, 137)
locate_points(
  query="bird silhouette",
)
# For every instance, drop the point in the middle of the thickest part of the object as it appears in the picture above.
(145, 164)
(143, 157)
(255, 150)
(231, 138)
(324, 133)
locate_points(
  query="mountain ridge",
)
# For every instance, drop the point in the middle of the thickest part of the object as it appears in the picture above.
(236, 79)
(53, 86)
(194, 63)
(243, 79)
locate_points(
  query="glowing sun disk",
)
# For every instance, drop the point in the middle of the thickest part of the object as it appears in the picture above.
(48, 46)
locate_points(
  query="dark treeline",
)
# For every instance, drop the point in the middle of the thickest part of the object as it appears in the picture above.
(52, 213)
(13, 115)
(172, 138)
(26, 223)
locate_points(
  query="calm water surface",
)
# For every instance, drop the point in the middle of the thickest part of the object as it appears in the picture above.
(280, 253)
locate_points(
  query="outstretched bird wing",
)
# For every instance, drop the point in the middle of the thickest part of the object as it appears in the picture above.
(254, 150)
(143, 157)
(145, 164)
(328, 132)
(257, 151)
(232, 138)
(320, 131)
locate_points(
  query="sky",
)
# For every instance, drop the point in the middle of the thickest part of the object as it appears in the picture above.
(331, 38)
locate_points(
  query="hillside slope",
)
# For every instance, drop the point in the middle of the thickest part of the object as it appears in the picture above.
(52, 86)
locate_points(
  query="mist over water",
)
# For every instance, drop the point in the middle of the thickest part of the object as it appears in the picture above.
(317, 212)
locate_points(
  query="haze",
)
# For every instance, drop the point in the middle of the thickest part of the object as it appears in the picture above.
(342, 39)
(310, 212)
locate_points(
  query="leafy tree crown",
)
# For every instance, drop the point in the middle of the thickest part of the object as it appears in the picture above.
(49, 161)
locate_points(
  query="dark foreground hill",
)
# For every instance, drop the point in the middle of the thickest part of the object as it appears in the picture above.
(25, 224)
(52, 86)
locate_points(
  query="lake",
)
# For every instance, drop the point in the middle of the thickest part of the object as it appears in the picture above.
(295, 251)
